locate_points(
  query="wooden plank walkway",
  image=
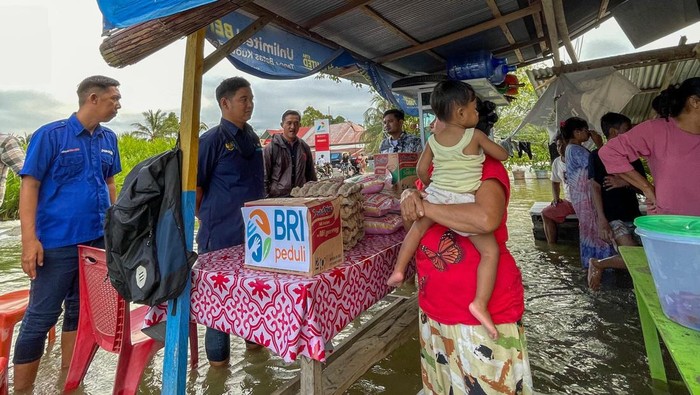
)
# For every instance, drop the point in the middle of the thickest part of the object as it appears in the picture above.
(379, 337)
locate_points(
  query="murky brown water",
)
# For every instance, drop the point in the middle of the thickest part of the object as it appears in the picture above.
(579, 342)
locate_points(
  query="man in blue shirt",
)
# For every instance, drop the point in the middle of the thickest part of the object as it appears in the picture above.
(67, 186)
(229, 173)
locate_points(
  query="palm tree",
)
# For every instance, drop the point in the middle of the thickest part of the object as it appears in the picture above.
(374, 127)
(157, 125)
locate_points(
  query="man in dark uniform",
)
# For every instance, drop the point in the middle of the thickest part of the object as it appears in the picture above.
(230, 173)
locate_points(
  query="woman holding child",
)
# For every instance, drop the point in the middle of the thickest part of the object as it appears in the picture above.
(458, 355)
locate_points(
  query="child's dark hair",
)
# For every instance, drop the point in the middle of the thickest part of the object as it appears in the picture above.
(613, 120)
(568, 127)
(672, 100)
(448, 94)
(487, 115)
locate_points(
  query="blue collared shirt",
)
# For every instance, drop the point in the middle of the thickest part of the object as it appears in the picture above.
(230, 172)
(72, 166)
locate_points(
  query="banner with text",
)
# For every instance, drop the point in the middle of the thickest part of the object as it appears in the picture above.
(273, 53)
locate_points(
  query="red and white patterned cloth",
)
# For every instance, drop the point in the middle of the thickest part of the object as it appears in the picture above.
(291, 315)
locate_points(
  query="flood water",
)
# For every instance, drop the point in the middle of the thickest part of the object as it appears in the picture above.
(579, 342)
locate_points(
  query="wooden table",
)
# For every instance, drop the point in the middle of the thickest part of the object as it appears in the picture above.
(295, 316)
(683, 343)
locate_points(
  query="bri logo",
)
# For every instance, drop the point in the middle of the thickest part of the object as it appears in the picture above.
(258, 234)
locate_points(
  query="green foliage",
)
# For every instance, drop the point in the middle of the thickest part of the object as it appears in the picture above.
(311, 114)
(512, 115)
(10, 207)
(541, 165)
(157, 125)
(516, 162)
(374, 128)
(132, 150)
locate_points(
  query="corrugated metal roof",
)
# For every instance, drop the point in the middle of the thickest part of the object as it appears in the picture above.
(301, 11)
(365, 35)
(652, 76)
(649, 79)
(425, 20)
(446, 27)
(639, 107)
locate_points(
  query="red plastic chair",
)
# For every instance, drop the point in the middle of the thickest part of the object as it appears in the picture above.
(12, 308)
(3, 376)
(106, 321)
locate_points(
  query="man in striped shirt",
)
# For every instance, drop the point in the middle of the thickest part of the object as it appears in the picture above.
(11, 157)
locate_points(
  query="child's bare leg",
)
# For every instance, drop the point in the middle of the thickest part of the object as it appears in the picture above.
(485, 280)
(408, 250)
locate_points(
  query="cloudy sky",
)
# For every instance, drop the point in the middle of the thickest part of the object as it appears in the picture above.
(49, 46)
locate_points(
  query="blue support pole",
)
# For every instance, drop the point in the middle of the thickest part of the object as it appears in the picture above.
(177, 326)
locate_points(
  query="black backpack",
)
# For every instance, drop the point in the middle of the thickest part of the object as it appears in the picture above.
(147, 258)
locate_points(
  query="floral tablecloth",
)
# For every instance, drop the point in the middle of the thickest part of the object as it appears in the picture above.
(291, 315)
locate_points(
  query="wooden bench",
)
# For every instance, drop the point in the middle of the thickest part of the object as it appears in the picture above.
(567, 232)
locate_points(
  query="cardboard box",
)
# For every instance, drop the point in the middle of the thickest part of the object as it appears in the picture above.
(293, 235)
(401, 165)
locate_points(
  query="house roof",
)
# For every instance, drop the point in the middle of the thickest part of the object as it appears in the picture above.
(346, 133)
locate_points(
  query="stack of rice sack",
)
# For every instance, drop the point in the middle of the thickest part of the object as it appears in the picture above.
(381, 206)
(350, 205)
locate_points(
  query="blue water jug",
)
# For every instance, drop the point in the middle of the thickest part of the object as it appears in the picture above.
(477, 64)
(500, 72)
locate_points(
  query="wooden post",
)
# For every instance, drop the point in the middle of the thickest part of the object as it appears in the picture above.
(637, 59)
(177, 326)
(563, 29)
(550, 20)
(311, 376)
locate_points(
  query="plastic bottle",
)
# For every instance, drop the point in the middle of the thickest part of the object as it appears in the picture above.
(477, 64)
(499, 74)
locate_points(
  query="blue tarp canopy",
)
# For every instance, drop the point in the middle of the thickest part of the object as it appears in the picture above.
(125, 13)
